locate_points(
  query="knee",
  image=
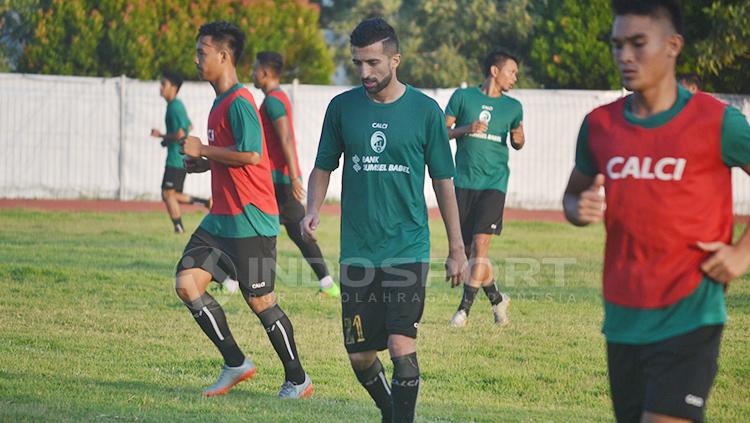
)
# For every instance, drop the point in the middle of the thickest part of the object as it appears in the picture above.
(262, 303)
(166, 194)
(362, 360)
(182, 293)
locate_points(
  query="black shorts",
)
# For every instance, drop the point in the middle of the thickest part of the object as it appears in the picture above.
(480, 212)
(291, 211)
(378, 302)
(174, 178)
(671, 377)
(250, 261)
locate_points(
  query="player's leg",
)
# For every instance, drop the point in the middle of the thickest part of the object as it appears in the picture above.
(486, 220)
(257, 276)
(627, 381)
(183, 198)
(199, 265)
(291, 213)
(168, 196)
(404, 295)
(680, 372)
(466, 199)
(362, 316)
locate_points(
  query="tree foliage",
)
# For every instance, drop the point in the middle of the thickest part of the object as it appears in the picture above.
(442, 43)
(571, 45)
(140, 38)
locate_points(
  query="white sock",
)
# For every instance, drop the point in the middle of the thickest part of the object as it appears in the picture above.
(326, 282)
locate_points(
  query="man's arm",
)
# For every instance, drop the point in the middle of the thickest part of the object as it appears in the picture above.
(317, 186)
(194, 148)
(456, 265)
(583, 202)
(284, 133)
(728, 261)
(476, 127)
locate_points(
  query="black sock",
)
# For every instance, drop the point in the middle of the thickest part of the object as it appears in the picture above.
(493, 294)
(178, 225)
(280, 332)
(405, 387)
(210, 317)
(309, 249)
(468, 298)
(374, 381)
(201, 201)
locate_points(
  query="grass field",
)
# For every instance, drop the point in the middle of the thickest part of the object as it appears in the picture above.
(90, 329)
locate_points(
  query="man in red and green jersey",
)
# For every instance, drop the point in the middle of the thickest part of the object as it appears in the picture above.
(664, 158)
(483, 119)
(178, 126)
(236, 242)
(388, 132)
(278, 129)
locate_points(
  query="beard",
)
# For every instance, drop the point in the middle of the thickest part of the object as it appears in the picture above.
(379, 86)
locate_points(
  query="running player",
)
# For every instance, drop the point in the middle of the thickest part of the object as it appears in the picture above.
(237, 240)
(278, 129)
(178, 126)
(691, 81)
(387, 132)
(483, 119)
(663, 156)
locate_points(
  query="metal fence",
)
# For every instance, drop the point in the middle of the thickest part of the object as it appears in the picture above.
(76, 137)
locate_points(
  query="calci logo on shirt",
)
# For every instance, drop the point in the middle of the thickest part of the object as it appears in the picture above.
(663, 169)
(378, 140)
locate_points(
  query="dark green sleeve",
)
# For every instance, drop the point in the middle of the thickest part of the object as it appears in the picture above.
(519, 117)
(246, 127)
(437, 150)
(275, 108)
(584, 160)
(454, 104)
(331, 141)
(176, 118)
(735, 138)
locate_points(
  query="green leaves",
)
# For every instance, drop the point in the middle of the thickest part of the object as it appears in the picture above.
(140, 39)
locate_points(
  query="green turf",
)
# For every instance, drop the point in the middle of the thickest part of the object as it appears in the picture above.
(90, 329)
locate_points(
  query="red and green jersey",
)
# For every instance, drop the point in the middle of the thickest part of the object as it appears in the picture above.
(244, 203)
(276, 105)
(668, 186)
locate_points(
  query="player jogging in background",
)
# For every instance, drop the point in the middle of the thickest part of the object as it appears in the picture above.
(388, 132)
(237, 240)
(691, 81)
(178, 126)
(483, 119)
(278, 128)
(664, 157)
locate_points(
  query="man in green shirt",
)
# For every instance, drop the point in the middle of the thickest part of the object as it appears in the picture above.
(387, 132)
(178, 126)
(663, 157)
(483, 119)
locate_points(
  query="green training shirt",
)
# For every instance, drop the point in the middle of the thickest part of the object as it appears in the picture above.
(385, 148)
(176, 119)
(706, 305)
(482, 159)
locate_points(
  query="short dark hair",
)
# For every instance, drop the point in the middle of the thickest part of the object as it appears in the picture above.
(669, 9)
(271, 60)
(370, 31)
(173, 77)
(225, 32)
(691, 78)
(497, 58)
